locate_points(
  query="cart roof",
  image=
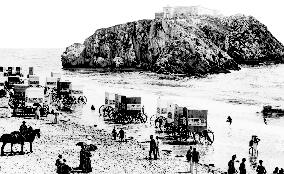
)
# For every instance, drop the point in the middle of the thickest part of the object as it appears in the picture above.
(35, 92)
(51, 79)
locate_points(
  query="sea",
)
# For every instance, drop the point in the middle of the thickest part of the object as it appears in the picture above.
(239, 94)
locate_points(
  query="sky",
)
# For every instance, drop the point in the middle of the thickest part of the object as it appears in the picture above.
(60, 23)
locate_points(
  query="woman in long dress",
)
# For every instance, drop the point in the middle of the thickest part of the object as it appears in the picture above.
(85, 161)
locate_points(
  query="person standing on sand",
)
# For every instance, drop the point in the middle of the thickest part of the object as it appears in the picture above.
(195, 159)
(85, 161)
(260, 168)
(65, 169)
(231, 165)
(229, 119)
(114, 133)
(121, 134)
(152, 148)
(189, 159)
(58, 164)
(242, 167)
(157, 146)
(37, 113)
(276, 170)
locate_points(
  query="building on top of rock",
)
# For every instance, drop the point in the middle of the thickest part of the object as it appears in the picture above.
(179, 11)
(159, 15)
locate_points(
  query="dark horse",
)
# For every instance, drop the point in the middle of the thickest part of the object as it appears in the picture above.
(17, 138)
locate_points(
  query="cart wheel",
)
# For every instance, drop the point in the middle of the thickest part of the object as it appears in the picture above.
(127, 119)
(211, 136)
(101, 110)
(108, 112)
(116, 117)
(143, 118)
(183, 132)
(85, 99)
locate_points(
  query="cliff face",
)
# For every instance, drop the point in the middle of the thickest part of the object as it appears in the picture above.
(192, 45)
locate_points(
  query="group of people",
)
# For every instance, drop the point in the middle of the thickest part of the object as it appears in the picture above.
(121, 134)
(242, 168)
(233, 170)
(192, 157)
(278, 171)
(253, 143)
(154, 147)
(61, 166)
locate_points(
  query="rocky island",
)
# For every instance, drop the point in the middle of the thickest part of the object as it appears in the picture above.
(180, 40)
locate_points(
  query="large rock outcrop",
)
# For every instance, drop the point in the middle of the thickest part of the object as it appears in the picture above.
(189, 45)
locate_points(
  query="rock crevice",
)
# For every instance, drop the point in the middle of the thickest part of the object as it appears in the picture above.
(191, 45)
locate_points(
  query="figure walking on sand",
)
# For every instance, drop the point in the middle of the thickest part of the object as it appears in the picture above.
(231, 165)
(189, 159)
(242, 167)
(195, 158)
(114, 133)
(253, 145)
(85, 161)
(152, 148)
(121, 134)
(158, 142)
(229, 119)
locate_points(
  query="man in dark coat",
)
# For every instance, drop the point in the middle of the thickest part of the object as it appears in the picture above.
(23, 128)
(152, 148)
(242, 167)
(260, 168)
(189, 158)
(58, 164)
(85, 161)
(231, 165)
(114, 133)
(195, 158)
(65, 169)
(121, 134)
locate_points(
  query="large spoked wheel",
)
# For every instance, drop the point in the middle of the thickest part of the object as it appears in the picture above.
(108, 111)
(128, 118)
(101, 110)
(143, 117)
(210, 137)
(11, 103)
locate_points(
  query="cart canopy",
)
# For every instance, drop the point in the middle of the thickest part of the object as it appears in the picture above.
(34, 95)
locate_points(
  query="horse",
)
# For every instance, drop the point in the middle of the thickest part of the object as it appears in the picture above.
(17, 138)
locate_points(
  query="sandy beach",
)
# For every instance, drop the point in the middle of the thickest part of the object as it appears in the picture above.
(111, 156)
